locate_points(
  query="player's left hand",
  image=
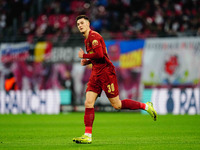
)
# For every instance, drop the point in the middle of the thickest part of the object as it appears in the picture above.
(80, 53)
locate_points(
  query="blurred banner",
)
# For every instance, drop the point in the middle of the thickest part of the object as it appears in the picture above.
(38, 102)
(173, 61)
(126, 54)
(42, 51)
(64, 54)
(14, 52)
(174, 101)
(157, 61)
(38, 52)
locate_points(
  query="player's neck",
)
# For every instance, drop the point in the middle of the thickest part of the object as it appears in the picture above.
(86, 34)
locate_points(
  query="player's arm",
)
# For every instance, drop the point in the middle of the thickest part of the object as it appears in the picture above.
(97, 54)
(97, 51)
(84, 62)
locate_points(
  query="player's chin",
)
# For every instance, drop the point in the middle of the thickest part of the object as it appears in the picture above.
(82, 31)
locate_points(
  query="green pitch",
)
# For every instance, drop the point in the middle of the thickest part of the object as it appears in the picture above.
(118, 130)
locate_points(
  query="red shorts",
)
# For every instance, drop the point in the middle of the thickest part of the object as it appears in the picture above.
(106, 81)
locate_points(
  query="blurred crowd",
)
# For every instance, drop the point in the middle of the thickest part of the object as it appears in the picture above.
(115, 19)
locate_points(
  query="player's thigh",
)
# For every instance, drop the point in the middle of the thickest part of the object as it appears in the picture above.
(90, 99)
(115, 102)
(94, 85)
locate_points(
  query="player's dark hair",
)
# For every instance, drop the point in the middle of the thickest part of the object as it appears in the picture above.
(82, 16)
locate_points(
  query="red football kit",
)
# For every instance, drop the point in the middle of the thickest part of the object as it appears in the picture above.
(103, 76)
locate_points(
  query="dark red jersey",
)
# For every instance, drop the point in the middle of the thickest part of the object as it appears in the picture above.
(97, 53)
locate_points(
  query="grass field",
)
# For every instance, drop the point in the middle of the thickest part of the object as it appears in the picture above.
(118, 130)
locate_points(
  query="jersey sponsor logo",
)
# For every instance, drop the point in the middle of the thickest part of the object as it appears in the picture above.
(95, 43)
(91, 52)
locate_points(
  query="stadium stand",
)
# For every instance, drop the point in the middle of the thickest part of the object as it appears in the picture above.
(114, 19)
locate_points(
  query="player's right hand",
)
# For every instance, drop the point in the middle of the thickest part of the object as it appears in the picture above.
(84, 62)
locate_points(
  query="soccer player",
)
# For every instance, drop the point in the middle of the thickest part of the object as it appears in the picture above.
(103, 77)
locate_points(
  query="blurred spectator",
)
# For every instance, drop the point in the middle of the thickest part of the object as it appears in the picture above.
(10, 82)
(9, 77)
(55, 19)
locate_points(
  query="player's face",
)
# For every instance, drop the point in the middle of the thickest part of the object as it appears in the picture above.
(83, 25)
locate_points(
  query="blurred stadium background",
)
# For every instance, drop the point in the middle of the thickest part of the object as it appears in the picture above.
(154, 45)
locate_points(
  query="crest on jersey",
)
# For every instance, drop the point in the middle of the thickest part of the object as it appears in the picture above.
(94, 42)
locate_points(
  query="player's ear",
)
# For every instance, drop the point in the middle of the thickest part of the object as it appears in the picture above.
(88, 23)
